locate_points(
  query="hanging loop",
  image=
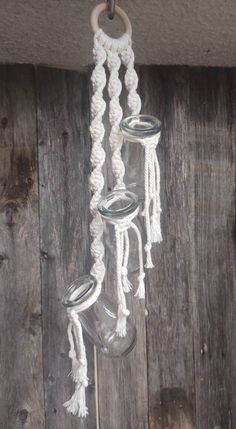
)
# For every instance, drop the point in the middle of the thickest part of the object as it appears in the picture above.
(111, 9)
(102, 7)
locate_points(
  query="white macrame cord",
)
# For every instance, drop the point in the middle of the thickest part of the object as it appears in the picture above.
(122, 227)
(118, 50)
(77, 404)
(152, 201)
(152, 206)
(113, 52)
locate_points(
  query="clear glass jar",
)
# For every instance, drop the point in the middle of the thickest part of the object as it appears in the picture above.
(114, 208)
(137, 129)
(141, 136)
(99, 320)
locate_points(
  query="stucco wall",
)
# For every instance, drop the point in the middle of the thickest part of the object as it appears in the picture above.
(57, 32)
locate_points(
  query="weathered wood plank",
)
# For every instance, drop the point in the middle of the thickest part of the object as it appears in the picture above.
(64, 148)
(212, 122)
(21, 373)
(165, 94)
(191, 332)
(122, 383)
(191, 299)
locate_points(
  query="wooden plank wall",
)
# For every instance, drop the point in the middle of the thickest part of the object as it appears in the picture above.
(182, 374)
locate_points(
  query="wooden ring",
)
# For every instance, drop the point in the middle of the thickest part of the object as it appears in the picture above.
(102, 7)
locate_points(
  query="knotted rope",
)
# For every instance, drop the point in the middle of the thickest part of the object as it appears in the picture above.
(117, 51)
(122, 255)
(112, 51)
(152, 203)
(97, 131)
(77, 403)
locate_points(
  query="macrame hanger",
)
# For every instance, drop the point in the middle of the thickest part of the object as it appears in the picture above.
(118, 50)
(114, 52)
(114, 49)
(77, 403)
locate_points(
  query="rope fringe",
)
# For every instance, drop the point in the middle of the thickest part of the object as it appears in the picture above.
(152, 206)
(77, 403)
(122, 255)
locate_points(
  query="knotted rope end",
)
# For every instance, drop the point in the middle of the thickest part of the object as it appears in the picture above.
(127, 286)
(76, 405)
(121, 328)
(141, 288)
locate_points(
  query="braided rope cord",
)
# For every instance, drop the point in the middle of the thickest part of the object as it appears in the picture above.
(97, 131)
(77, 403)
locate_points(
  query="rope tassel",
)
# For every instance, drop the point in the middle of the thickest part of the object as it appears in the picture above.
(156, 208)
(152, 208)
(77, 403)
(123, 284)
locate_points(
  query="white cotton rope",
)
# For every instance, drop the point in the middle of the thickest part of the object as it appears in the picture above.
(121, 51)
(152, 203)
(131, 79)
(97, 132)
(77, 403)
(112, 51)
(152, 169)
(117, 51)
(122, 254)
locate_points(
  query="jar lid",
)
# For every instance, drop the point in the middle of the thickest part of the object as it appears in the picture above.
(79, 291)
(140, 125)
(118, 204)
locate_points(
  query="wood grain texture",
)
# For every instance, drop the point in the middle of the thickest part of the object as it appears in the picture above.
(169, 300)
(122, 383)
(214, 278)
(64, 149)
(21, 371)
(191, 300)
(182, 373)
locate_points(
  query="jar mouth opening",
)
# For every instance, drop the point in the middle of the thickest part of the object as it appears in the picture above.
(79, 291)
(140, 125)
(118, 203)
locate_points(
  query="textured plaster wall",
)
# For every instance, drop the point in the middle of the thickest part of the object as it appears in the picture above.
(57, 32)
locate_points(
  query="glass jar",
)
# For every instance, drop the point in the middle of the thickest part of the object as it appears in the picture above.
(99, 320)
(137, 129)
(142, 172)
(114, 208)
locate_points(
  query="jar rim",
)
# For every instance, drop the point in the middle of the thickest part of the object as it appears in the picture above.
(140, 125)
(122, 195)
(79, 291)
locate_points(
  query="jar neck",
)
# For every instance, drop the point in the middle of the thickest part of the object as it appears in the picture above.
(119, 205)
(81, 294)
(138, 127)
